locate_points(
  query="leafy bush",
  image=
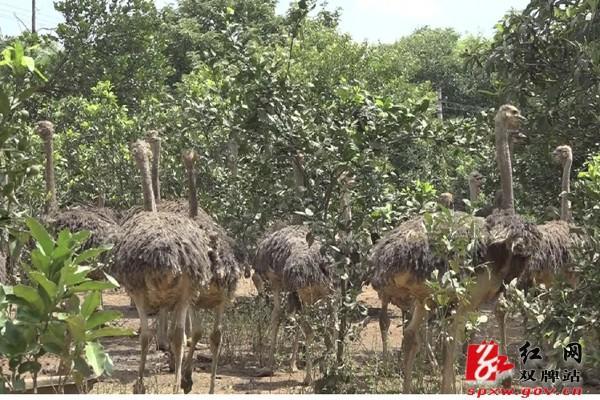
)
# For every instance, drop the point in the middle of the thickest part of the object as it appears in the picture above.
(56, 313)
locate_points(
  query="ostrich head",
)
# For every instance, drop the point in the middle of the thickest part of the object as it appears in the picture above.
(446, 199)
(476, 179)
(189, 157)
(510, 117)
(152, 137)
(141, 151)
(45, 129)
(562, 154)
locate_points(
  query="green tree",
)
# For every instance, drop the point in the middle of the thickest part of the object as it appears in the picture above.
(119, 41)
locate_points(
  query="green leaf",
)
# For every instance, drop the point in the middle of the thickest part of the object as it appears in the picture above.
(76, 326)
(28, 62)
(30, 295)
(82, 367)
(91, 285)
(101, 317)
(19, 52)
(41, 235)
(49, 286)
(109, 331)
(53, 340)
(81, 236)
(90, 254)
(91, 302)
(98, 358)
(41, 261)
(72, 275)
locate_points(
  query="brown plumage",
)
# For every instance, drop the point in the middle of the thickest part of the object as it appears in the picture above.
(286, 256)
(164, 262)
(552, 258)
(290, 259)
(225, 274)
(552, 255)
(156, 250)
(406, 249)
(403, 260)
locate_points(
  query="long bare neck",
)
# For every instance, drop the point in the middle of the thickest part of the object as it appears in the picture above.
(156, 169)
(505, 166)
(193, 197)
(473, 191)
(51, 202)
(565, 206)
(149, 202)
(299, 182)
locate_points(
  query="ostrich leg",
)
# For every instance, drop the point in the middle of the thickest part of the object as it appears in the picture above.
(186, 380)
(309, 335)
(162, 334)
(145, 337)
(410, 343)
(500, 313)
(177, 341)
(215, 344)
(274, 328)
(295, 347)
(384, 326)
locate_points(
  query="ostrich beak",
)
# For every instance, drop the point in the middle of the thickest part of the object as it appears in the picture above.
(520, 136)
(522, 118)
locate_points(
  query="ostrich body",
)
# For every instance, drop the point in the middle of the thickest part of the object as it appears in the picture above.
(287, 260)
(553, 258)
(225, 271)
(231, 252)
(402, 261)
(103, 228)
(163, 261)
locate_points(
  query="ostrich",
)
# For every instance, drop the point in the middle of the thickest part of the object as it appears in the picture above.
(184, 207)
(552, 257)
(403, 260)
(104, 230)
(226, 270)
(290, 259)
(446, 199)
(164, 261)
(287, 260)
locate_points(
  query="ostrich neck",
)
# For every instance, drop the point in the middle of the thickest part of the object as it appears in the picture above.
(505, 166)
(149, 202)
(299, 177)
(566, 188)
(155, 170)
(193, 197)
(473, 192)
(51, 202)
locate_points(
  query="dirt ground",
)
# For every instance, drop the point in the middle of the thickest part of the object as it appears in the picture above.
(237, 372)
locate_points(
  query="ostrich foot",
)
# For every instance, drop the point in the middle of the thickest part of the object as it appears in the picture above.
(293, 368)
(186, 382)
(307, 380)
(138, 387)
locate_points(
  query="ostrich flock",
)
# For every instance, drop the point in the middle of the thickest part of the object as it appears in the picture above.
(174, 260)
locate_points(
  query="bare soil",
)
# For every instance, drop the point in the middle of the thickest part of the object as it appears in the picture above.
(237, 372)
